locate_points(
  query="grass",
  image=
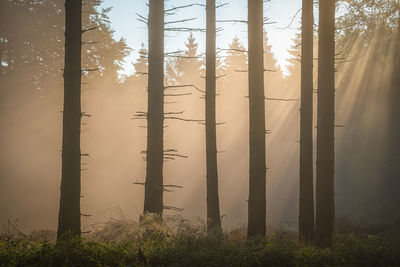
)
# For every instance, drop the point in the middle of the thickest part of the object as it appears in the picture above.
(184, 243)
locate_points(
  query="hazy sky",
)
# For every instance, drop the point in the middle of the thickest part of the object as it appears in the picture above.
(124, 21)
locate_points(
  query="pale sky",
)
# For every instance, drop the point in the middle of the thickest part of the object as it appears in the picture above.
(124, 22)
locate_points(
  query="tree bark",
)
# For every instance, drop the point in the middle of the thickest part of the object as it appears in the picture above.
(325, 209)
(306, 203)
(257, 183)
(69, 212)
(213, 213)
(153, 200)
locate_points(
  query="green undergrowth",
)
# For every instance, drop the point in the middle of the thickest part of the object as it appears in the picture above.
(182, 243)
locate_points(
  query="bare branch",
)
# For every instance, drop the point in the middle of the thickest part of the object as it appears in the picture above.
(281, 99)
(179, 21)
(178, 94)
(173, 185)
(142, 18)
(233, 49)
(175, 155)
(184, 85)
(185, 29)
(90, 29)
(174, 113)
(221, 5)
(232, 20)
(87, 70)
(89, 43)
(84, 114)
(182, 119)
(187, 57)
(221, 76)
(142, 73)
(288, 26)
(15, 227)
(181, 7)
(173, 53)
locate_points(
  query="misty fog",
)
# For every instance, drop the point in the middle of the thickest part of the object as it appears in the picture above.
(31, 97)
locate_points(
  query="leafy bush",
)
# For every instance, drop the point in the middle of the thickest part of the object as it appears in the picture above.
(176, 242)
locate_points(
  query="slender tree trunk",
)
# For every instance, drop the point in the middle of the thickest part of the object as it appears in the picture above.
(257, 185)
(69, 212)
(153, 199)
(213, 215)
(306, 203)
(325, 208)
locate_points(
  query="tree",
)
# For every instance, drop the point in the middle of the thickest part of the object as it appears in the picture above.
(257, 184)
(272, 72)
(32, 56)
(388, 191)
(34, 60)
(365, 48)
(306, 201)
(21, 43)
(236, 58)
(213, 214)
(153, 201)
(185, 67)
(69, 213)
(325, 210)
(141, 65)
(235, 83)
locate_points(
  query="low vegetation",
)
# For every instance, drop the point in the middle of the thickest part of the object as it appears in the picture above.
(177, 242)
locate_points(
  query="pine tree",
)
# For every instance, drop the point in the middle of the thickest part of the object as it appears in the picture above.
(270, 63)
(141, 65)
(185, 69)
(154, 187)
(325, 209)
(257, 185)
(273, 75)
(306, 201)
(33, 60)
(213, 213)
(235, 59)
(69, 212)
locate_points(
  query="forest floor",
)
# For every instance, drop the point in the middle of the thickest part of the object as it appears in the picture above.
(183, 243)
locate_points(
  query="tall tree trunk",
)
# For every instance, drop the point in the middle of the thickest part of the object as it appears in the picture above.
(213, 215)
(306, 203)
(325, 208)
(153, 199)
(257, 185)
(69, 212)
